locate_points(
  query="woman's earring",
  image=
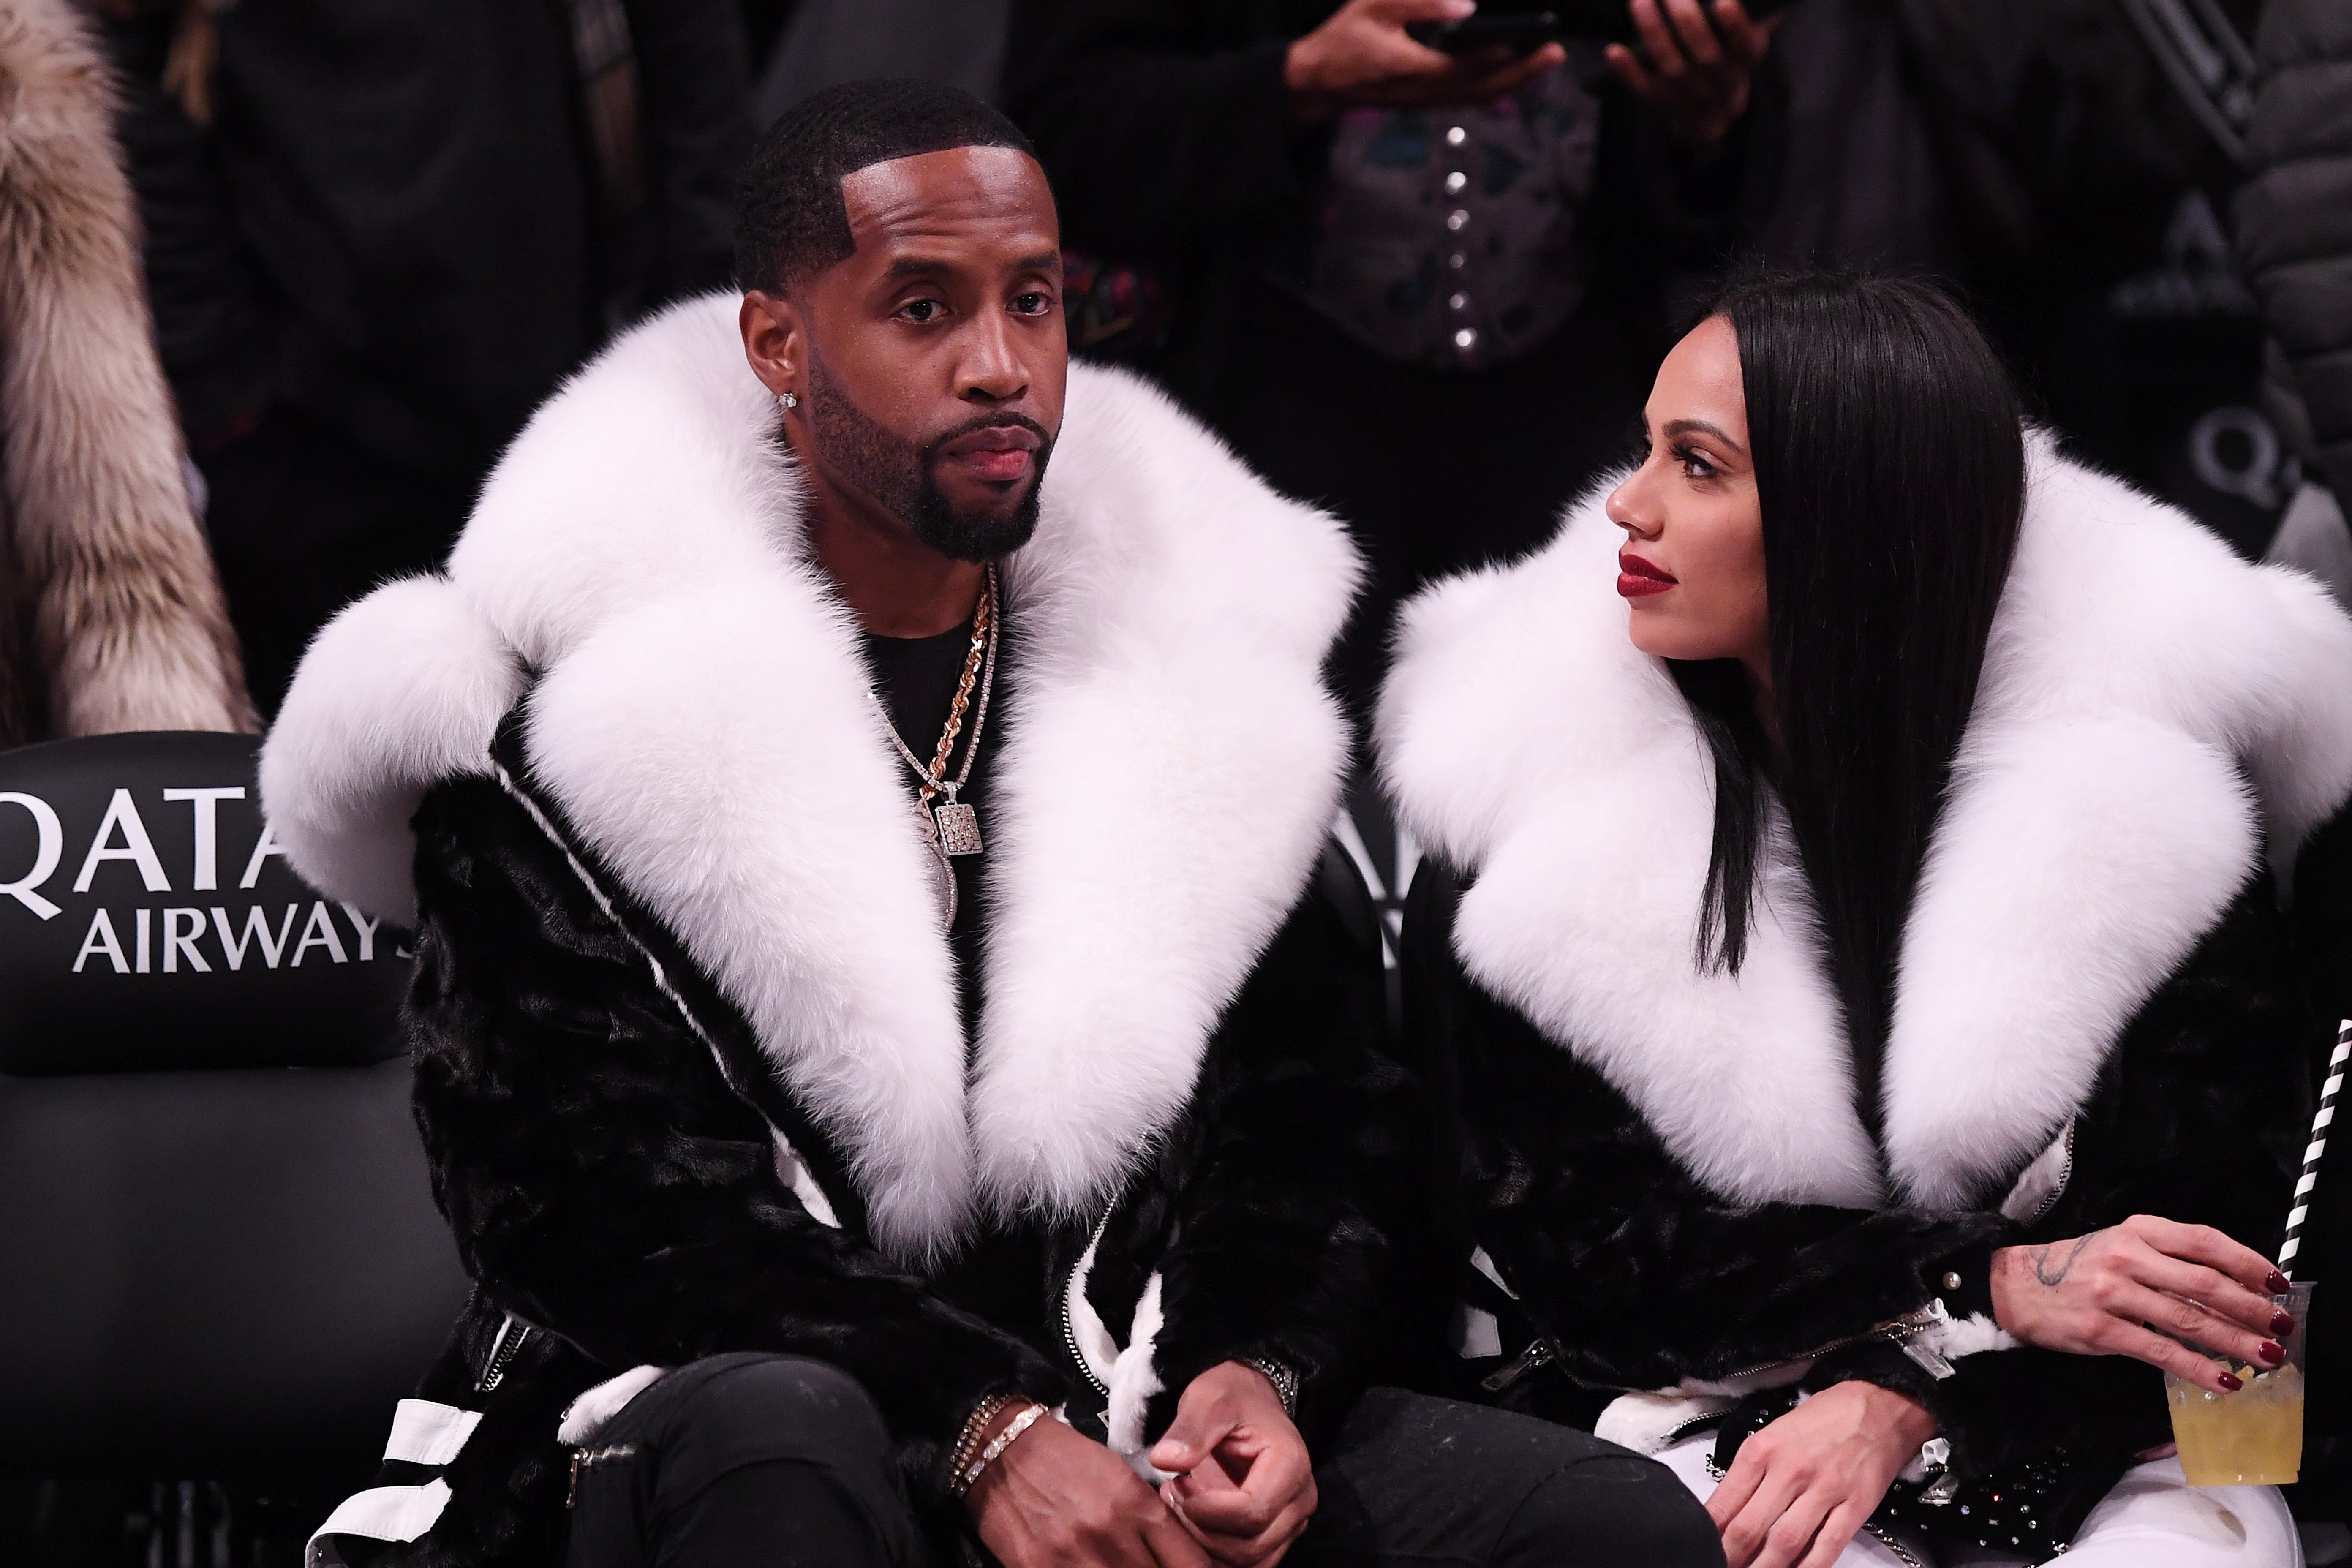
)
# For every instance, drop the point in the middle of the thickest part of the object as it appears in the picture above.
(789, 399)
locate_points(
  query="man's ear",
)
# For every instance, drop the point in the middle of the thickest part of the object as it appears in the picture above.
(775, 343)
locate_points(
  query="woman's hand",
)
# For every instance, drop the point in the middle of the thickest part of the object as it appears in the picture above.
(1058, 1499)
(1244, 1485)
(1803, 1485)
(2096, 1294)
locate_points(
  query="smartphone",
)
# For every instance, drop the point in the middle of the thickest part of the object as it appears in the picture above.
(1525, 29)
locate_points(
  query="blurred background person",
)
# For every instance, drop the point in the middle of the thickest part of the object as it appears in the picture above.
(2066, 164)
(823, 42)
(110, 615)
(1422, 289)
(2294, 230)
(380, 231)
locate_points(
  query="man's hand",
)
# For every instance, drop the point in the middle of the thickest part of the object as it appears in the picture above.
(2094, 1294)
(1361, 55)
(1803, 1485)
(1698, 76)
(1055, 1499)
(1244, 1485)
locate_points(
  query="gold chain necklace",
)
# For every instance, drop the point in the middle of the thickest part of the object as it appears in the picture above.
(952, 827)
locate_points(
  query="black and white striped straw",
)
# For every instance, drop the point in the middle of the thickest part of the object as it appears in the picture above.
(2328, 1091)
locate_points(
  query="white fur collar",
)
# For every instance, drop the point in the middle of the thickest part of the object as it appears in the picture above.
(704, 722)
(2139, 679)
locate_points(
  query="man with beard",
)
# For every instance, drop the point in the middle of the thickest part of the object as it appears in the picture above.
(807, 1227)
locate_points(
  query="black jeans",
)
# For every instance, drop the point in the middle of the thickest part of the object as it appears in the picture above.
(782, 1462)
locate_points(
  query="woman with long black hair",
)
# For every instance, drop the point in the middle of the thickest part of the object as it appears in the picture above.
(1855, 935)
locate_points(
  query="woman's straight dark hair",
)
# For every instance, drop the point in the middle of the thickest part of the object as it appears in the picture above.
(1890, 466)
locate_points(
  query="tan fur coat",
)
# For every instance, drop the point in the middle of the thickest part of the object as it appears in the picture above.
(111, 616)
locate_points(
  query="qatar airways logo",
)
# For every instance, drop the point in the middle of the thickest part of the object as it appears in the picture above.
(136, 935)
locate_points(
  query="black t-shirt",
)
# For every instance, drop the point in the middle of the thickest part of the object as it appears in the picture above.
(916, 679)
(1006, 1274)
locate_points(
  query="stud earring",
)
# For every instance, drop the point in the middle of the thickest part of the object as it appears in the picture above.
(789, 399)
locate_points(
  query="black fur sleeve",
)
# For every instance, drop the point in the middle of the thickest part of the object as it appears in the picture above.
(1300, 1234)
(2201, 1116)
(602, 1180)
(1638, 1276)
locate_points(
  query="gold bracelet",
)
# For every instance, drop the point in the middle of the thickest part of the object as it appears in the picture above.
(1020, 1424)
(974, 1432)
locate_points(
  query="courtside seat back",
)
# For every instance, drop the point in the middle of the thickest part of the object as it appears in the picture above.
(147, 919)
(218, 1249)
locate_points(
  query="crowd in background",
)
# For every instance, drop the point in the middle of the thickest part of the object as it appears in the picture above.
(376, 234)
(284, 277)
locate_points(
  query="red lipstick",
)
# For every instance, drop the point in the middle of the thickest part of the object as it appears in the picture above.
(1638, 579)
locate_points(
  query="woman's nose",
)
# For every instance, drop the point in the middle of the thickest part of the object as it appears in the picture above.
(1624, 508)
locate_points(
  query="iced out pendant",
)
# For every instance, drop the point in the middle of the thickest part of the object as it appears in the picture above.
(959, 828)
(935, 859)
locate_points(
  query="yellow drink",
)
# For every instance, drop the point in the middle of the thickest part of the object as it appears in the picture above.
(2252, 1437)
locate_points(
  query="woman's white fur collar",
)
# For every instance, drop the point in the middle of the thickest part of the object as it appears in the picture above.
(703, 721)
(2150, 706)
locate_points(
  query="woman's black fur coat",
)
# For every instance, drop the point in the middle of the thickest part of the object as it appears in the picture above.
(692, 1065)
(1636, 1275)
(2098, 1012)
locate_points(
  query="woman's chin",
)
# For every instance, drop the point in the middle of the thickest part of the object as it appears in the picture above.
(1653, 634)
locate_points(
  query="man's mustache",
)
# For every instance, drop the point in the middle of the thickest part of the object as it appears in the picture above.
(934, 449)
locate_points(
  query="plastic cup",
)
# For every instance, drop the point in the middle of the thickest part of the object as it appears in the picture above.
(2252, 1437)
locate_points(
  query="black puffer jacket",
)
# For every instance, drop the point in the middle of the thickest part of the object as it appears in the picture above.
(2294, 216)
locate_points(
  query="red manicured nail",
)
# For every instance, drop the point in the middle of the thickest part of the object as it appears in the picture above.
(2230, 1381)
(2281, 1326)
(2272, 1353)
(2278, 1283)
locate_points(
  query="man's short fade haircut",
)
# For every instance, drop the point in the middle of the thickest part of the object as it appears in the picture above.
(790, 220)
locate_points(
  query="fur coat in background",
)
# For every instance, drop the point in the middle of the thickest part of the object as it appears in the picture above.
(111, 616)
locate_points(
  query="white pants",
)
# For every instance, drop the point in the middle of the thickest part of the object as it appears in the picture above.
(2153, 1518)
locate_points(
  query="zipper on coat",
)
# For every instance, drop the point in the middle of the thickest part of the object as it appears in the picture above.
(503, 1350)
(1069, 1329)
(1540, 1354)
(1899, 1332)
(2065, 1174)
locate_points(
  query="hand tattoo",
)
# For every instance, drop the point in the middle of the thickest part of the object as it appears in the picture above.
(2042, 1269)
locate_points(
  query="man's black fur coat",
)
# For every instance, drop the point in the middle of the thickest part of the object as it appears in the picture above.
(1680, 1204)
(692, 1064)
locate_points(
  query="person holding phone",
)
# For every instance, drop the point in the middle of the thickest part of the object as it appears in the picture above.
(1355, 228)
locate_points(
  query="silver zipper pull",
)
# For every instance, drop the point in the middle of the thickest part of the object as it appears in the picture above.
(1906, 1332)
(1536, 1355)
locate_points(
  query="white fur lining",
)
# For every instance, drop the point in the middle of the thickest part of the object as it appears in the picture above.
(1956, 1337)
(1171, 759)
(2098, 825)
(1128, 1375)
(1133, 1383)
(399, 691)
(1647, 1421)
(586, 1415)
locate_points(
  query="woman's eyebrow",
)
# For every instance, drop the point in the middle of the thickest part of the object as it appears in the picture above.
(1677, 426)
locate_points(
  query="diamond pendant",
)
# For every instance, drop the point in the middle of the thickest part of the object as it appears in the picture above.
(958, 827)
(943, 874)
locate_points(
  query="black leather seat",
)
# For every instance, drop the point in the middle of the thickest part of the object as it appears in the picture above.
(218, 1250)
